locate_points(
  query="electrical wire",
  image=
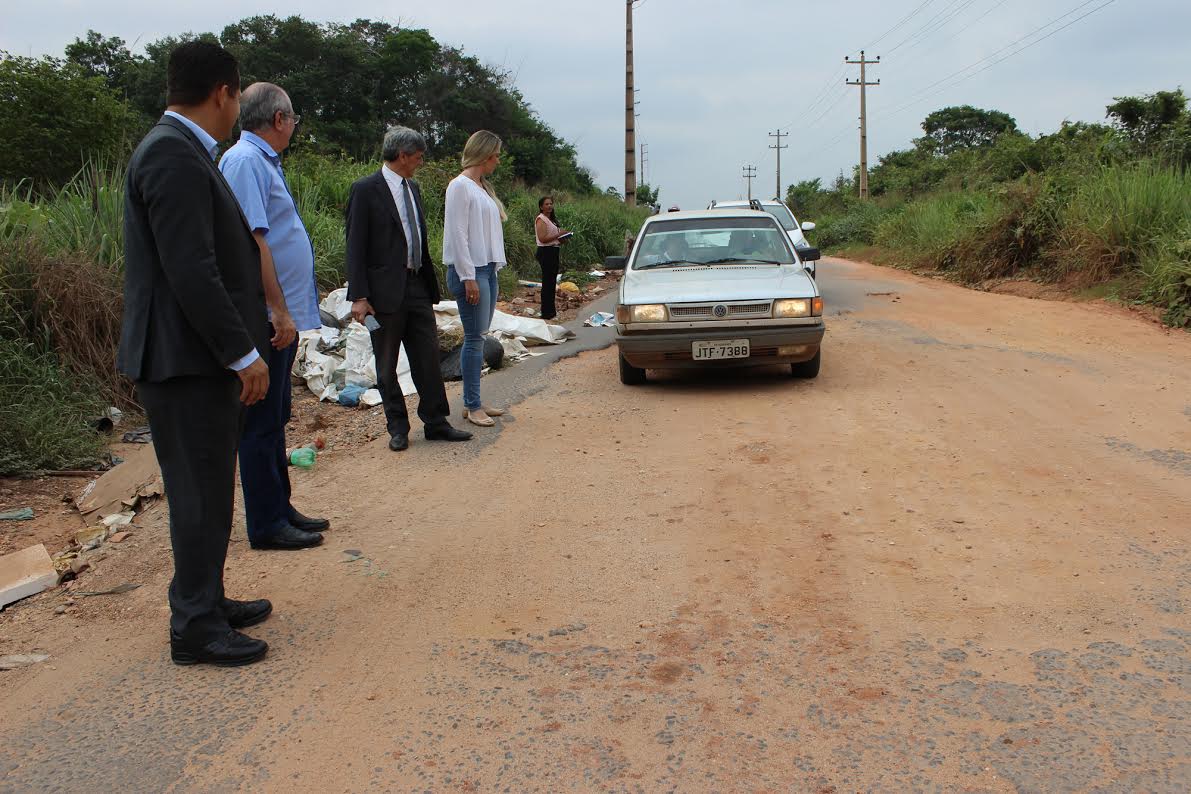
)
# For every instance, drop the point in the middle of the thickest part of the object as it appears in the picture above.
(992, 59)
(904, 20)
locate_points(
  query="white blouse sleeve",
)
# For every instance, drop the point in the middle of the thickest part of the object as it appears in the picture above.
(456, 219)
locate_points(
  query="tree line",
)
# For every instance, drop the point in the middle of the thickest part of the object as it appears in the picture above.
(348, 81)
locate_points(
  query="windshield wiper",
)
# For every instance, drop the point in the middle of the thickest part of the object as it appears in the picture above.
(728, 259)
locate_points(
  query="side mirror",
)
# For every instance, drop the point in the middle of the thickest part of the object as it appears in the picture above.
(615, 262)
(808, 226)
(809, 254)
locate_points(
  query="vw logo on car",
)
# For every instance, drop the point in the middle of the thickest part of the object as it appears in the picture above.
(720, 311)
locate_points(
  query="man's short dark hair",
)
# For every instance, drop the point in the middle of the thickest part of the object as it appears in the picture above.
(197, 68)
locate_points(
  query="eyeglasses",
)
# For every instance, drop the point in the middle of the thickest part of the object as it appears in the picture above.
(296, 117)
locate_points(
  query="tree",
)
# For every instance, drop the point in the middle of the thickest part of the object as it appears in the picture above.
(1147, 117)
(963, 127)
(801, 196)
(613, 192)
(54, 117)
(647, 195)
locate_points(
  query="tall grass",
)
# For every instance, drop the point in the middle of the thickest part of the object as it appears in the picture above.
(1083, 223)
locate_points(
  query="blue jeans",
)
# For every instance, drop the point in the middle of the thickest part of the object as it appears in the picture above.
(264, 468)
(476, 320)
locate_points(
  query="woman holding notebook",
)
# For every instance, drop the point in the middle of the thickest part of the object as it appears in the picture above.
(550, 237)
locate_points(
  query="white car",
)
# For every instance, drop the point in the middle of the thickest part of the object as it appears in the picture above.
(716, 288)
(779, 210)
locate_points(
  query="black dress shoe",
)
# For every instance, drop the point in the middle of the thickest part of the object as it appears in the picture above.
(445, 432)
(241, 614)
(288, 537)
(229, 650)
(306, 523)
(399, 441)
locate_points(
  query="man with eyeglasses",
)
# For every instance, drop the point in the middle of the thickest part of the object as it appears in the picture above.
(253, 170)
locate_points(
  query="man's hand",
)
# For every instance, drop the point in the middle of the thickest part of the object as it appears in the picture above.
(472, 291)
(254, 382)
(284, 330)
(361, 309)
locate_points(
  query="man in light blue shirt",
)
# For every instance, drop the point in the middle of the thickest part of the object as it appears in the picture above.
(253, 169)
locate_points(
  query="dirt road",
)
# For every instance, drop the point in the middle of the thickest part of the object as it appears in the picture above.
(957, 560)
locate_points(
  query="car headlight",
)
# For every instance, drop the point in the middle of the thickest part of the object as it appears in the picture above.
(792, 307)
(641, 313)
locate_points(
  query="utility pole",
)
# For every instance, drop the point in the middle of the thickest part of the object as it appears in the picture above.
(644, 161)
(749, 173)
(779, 135)
(630, 124)
(863, 118)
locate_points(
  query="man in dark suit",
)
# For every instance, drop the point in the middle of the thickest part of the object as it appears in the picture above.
(390, 277)
(194, 326)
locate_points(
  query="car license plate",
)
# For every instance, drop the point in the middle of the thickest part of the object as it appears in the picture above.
(720, 348)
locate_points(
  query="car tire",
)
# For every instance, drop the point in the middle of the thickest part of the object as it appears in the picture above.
(807, 369)
(630, 375)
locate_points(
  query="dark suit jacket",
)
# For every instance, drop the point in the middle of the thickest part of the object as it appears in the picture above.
(376, 246)
(193, 300)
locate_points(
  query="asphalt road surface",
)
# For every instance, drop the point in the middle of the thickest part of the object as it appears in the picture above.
(955, 561)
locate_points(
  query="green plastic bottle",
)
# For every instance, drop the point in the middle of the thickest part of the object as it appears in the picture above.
(303, 457)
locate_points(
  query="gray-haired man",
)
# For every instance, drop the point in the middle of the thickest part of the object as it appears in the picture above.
(253, 170)
(391, 278)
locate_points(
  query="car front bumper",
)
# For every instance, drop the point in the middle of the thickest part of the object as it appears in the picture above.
(672, 349)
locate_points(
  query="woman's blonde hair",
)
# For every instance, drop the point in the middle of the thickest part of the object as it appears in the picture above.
(480, 146)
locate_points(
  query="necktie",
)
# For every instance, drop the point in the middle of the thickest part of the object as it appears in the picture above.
(415, 241)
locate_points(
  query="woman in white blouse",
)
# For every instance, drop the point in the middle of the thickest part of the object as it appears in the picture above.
(474, 250)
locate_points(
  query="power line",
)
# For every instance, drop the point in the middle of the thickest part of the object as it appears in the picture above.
(922, 93)
(931, 25)
(904, 20)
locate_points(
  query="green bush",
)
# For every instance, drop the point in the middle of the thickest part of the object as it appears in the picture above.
(44, 411)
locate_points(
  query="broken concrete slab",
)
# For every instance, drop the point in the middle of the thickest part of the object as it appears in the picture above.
(24, 573)
(14, 660)
(122, 488)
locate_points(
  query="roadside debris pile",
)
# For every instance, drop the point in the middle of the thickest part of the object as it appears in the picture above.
(108, 506)
(568, 295)
(338, 358)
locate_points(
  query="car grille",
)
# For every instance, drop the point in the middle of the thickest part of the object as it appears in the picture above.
(706, 311)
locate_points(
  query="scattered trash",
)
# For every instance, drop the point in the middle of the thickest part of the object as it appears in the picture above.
(91, 537)
(600, 319)
(339, 354)
(140, 435)
(20, 514)
(108, 421)
(597, 274)
(569, 286)
(119, 519)
(303, 457)
(127, 587)
(124, 487)
(493, 358)
(351, 395)
(531, 284)
(14, 660)
(24, 573)
(351, 555)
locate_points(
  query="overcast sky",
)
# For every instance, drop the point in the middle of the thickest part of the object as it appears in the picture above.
(715, 77)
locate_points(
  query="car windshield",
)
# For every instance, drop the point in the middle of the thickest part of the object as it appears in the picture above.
(779, 211)
(712, 241)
